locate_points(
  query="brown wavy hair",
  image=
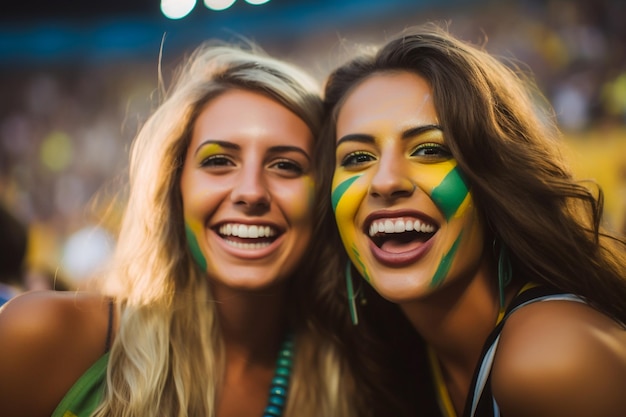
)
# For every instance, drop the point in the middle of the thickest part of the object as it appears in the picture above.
(503, 134)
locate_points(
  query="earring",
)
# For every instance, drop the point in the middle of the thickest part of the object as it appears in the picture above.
(351, 295)
(505, 271)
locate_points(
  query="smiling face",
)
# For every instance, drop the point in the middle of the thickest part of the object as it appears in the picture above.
(247, 190)
(404, 211)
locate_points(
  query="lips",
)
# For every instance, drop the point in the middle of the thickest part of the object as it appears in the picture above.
(399, 239)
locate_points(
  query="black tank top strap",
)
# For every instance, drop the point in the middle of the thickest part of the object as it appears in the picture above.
(480, 401)
(532, 293)
(107, 344)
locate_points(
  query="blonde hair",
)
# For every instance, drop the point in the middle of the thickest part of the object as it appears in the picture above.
(167, 358)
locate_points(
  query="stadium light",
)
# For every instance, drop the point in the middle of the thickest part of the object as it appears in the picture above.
(218, 5)
(177, 9)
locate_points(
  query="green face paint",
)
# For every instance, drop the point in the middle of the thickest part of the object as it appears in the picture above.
(450, 193)
(356, 256)
(446, 263)
(196, 253)
(346, 197)
(340, 190)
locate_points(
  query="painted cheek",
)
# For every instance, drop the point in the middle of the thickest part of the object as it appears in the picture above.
(446, 185)
(446, 262)
(347, 196)
(448, 188)
(357, 261)
(463, 214)
(193, 229)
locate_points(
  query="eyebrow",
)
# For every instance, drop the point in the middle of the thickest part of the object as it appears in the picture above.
(221, 143)
(285, 148)
(235, 147)
(409, 133)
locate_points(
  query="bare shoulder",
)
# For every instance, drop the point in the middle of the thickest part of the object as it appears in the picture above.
(560, 358)
(48, 340)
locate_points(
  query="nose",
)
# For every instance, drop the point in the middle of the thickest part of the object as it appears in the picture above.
(250, 190)
(391, 180)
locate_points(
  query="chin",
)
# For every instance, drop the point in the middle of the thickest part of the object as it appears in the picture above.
(253, 281)
(397, 290)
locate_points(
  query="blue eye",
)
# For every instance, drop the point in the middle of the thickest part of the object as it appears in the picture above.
(356, 158)
(432, 150)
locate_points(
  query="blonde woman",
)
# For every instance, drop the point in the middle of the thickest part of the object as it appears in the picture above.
(211, 305)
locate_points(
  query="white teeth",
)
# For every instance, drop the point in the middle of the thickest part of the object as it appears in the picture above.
(253, 232)
(399, 226)
(247, 246)
(246, 232)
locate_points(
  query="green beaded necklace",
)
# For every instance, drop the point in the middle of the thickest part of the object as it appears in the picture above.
(280, 382)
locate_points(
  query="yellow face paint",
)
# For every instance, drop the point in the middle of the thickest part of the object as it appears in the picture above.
(445, 184)
(193, 230)
(207, 150)
(394, 167)
(347, 194)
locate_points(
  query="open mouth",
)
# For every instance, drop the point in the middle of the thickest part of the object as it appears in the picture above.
(246, 236)
(399, 235)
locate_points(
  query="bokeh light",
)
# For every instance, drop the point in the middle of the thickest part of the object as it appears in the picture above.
(177, 9)
(80, 78)
(56, 151)
(218, 5)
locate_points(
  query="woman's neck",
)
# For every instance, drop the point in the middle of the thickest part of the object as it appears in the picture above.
(253, 326)
(455, 322)
(253, 323)
(456, 319)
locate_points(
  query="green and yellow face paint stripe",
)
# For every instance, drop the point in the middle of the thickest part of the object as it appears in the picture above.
(446, 262)
(453, 197)
(346, 197)
(340, 190)
(356, 260)
(452, 193)
(192, 230)
(446, 185)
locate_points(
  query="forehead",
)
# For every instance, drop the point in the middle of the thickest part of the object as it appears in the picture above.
(241, 114)
(388, 97)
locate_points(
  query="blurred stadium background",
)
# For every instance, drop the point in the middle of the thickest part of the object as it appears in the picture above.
(78, 78)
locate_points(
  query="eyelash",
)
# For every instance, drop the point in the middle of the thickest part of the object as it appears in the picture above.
(220, 161)
(356, 158)
(215, 160)
(432, 150)
(288, 165)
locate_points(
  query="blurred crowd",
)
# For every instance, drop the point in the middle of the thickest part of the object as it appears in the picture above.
(65, 129)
